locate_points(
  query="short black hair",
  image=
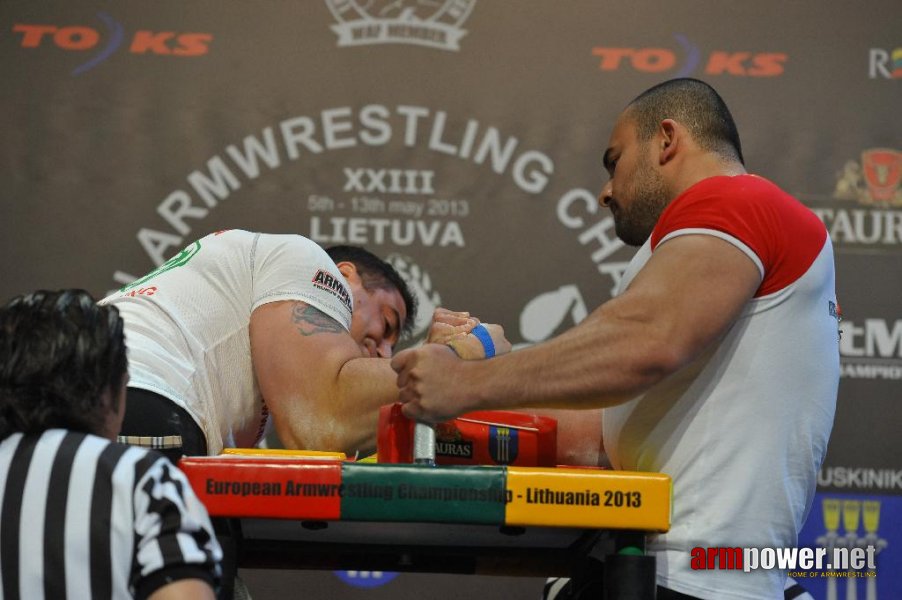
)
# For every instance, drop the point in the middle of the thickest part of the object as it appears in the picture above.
(376, 273)
(59, 352)
(697, 106)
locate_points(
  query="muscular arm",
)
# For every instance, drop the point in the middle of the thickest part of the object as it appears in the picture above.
(323, 394)
(685, 298)
(579, 436)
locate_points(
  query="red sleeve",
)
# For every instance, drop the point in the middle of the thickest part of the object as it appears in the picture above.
(785, 235)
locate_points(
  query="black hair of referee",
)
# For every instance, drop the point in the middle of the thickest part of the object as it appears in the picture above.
(63, 372)
(62, 364)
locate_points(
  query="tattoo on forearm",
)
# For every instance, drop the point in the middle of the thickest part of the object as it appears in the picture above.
(311, 321)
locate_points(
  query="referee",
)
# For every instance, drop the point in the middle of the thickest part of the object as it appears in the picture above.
(82, 516)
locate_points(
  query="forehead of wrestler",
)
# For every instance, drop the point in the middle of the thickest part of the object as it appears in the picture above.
(379, 313)
(624, 146)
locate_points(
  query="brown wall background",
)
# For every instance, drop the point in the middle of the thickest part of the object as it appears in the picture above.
(463, 138)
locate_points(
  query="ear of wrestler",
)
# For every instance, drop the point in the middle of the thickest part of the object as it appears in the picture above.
(379, 314)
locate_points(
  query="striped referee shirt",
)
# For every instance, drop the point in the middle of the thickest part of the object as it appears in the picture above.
(84, 517)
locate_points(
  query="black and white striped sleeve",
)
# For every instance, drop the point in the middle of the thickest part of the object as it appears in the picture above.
(173, 535)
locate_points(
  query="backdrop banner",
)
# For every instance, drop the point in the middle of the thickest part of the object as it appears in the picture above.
(462, 140)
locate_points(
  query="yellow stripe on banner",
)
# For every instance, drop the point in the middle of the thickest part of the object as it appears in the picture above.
(588, 498)
(281, 453)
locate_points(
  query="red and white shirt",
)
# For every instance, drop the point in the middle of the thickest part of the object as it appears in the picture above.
(744, 428)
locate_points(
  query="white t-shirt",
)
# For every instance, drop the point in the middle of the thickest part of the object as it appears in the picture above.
(743, 429)
(186, 323)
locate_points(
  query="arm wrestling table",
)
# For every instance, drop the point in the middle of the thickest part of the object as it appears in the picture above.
(285, 510)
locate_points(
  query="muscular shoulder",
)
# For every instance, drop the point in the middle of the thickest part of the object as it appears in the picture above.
(298, 245)
(746, 204)
(292, 267)
(777, 231)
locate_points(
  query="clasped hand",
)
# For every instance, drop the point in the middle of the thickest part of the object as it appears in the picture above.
(432, 380)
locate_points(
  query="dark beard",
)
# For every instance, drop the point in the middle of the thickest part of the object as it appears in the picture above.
(630, 233)
(634, 226)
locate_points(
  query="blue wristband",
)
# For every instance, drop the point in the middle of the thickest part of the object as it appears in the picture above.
(483, 335)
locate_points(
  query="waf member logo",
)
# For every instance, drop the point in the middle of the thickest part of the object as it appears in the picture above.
(102, 41)
(431, 23)
(875, 180)
(332, 284)
(503, 444)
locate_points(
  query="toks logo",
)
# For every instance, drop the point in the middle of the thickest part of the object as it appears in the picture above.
(80, 38)
(717, 62)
